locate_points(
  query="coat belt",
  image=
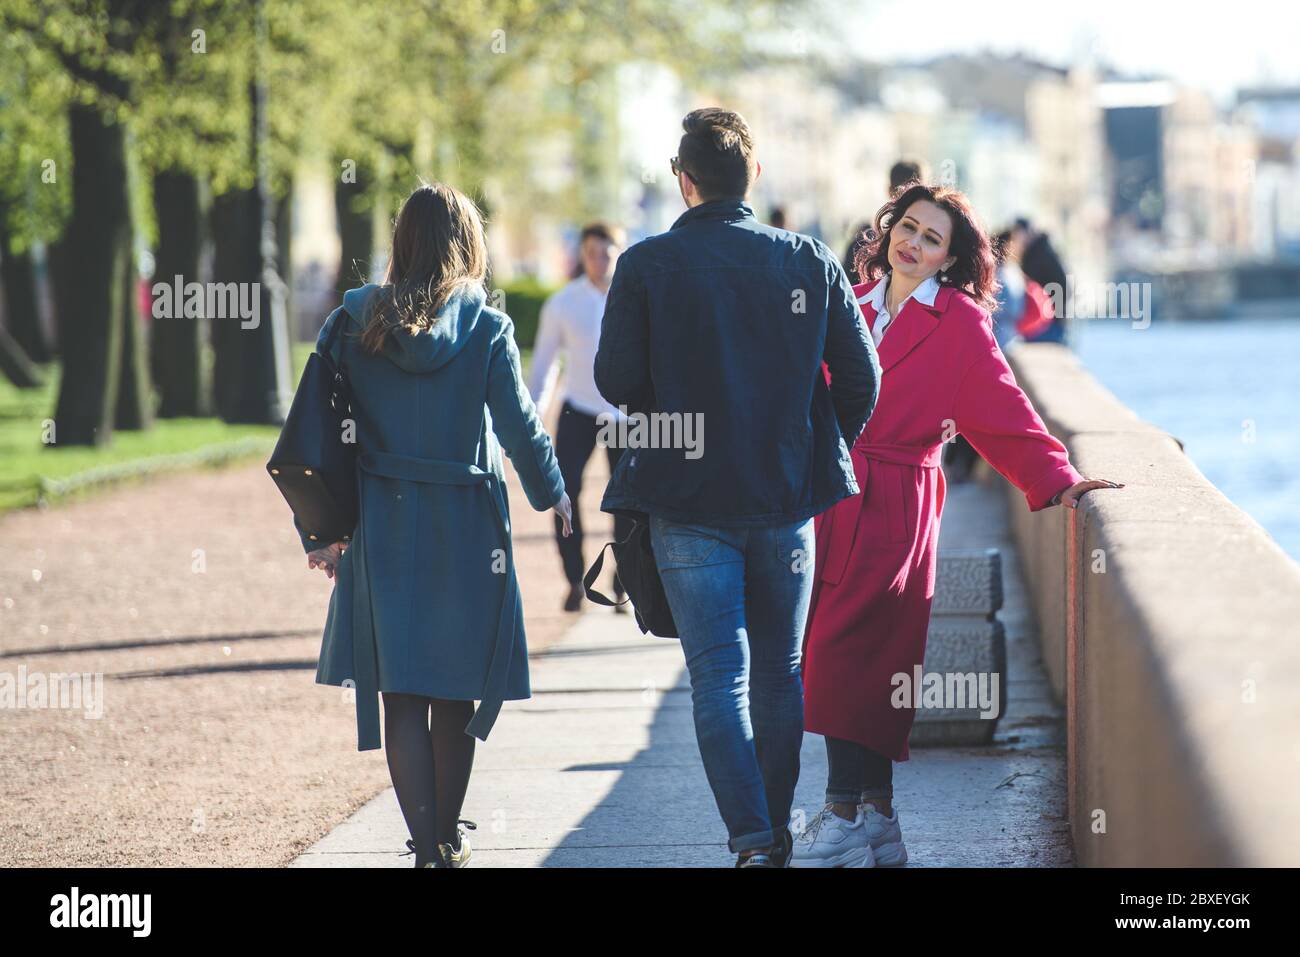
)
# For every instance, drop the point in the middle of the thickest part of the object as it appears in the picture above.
(365, 661)
(840, 524)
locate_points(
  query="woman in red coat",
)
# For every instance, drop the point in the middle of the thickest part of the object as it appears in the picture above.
(929, 285)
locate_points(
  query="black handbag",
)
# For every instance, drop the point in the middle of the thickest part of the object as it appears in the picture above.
(634, 564)
(314, 463)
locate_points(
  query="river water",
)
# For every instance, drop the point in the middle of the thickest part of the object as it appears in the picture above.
(1229, 390)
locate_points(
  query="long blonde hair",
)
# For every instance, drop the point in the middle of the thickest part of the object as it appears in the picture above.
(438, 247)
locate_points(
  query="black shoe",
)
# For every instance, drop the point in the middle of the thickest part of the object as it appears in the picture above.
(459, 855)
(757, 859)
(574, 601)
(781, 856)
(438, 860)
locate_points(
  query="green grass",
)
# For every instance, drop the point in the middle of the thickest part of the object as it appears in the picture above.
(31, 470)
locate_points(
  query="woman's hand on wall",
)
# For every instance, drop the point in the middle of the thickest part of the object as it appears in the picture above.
(564, 509)
(1070, 496)
(327, 558)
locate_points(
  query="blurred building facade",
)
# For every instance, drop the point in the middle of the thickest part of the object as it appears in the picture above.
(1124, 173)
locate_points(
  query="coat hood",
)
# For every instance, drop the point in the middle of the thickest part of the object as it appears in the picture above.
(434, 347)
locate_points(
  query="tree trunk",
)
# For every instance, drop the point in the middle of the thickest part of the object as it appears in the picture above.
(353, 209)
(134, 391)
(284, 249)
(22, 308)
(176, 340)
(98, 243)
(252, 369)
(60, 277)
(236, 259)
(15, 366)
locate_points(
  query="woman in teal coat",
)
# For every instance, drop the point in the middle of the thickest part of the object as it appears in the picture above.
(426, 607)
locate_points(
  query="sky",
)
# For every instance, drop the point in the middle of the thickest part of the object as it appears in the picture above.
(1211, 46)
(1217, 47)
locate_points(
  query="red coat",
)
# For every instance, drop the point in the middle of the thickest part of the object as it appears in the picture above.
(876, 551)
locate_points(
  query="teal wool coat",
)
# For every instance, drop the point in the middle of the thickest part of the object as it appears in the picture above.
(425, 598)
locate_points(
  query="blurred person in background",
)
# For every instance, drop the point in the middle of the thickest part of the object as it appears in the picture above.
(900, 174)
(1010, 306)
(1008, 315)
(568, 332)
(1041, 263)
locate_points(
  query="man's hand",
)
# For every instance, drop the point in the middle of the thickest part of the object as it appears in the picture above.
(327, 558)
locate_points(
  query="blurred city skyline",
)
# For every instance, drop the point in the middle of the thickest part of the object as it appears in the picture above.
(1146, 147)
(1199, 43)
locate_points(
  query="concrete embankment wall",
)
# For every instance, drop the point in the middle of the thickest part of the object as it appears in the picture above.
(1170, 626)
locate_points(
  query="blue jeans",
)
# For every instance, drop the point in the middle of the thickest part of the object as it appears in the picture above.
(740, 600)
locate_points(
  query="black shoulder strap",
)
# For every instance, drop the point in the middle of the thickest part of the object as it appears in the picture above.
(589, 579)
(340, 319)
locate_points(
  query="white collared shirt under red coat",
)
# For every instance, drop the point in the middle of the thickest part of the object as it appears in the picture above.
(875, 299)
(942, 372)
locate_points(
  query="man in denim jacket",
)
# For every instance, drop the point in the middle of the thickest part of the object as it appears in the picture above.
(713, 340)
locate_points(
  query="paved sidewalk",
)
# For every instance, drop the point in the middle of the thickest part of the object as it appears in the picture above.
(213, 746)
(600, 768)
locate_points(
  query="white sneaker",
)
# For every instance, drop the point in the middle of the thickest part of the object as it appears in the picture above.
(885, 835)
(831, 841)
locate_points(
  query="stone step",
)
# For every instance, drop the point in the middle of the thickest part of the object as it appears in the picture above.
(965, 654)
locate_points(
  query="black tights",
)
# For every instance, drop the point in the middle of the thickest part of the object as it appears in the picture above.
(422, 734)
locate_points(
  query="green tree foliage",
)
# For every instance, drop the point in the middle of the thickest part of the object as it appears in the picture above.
(218, 104)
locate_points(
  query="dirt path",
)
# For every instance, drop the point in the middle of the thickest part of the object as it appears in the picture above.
(191, 595)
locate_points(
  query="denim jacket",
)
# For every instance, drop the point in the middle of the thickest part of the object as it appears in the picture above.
(720, 326)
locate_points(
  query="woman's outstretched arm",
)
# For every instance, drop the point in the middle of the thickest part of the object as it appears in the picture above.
(999, 421)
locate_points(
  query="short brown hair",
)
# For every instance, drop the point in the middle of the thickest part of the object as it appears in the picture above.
(717, 150)
(603, 230)
(902, 173)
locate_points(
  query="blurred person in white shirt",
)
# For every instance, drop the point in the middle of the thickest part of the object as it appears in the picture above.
(569, 331)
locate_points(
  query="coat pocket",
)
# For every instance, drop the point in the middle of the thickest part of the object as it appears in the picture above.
(883, 519)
